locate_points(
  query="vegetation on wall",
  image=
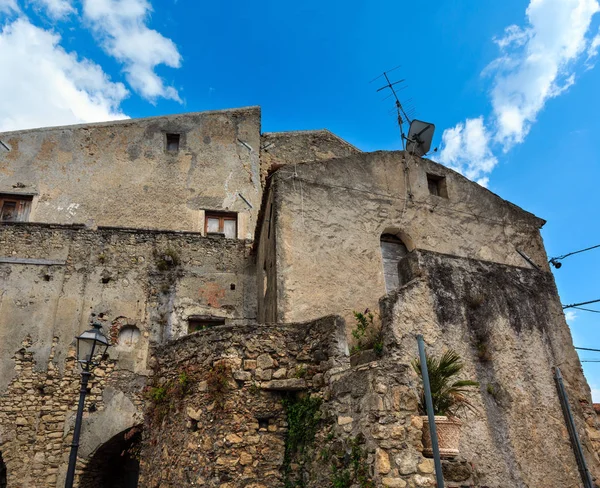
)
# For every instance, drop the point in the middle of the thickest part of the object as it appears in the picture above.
(166, 397)
(353, 470)
(303, 417)
(218, 383)
(365, 334)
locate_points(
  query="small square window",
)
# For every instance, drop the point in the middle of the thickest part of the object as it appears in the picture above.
(172, 142)
(437, 185)
(197, 323)
(221, 223)
(14, 208)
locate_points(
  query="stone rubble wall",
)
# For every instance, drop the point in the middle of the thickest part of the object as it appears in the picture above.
(37, 415)
(54, 280)
(508, 326)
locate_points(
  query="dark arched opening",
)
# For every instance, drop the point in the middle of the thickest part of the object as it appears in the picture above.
(392, 251)
(115, 464)
(2, 472)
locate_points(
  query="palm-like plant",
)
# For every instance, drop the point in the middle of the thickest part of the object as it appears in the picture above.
(449, 397)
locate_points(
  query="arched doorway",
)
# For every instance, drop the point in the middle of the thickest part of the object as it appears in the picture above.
(2, 472)
(115, 464)
(392, 251)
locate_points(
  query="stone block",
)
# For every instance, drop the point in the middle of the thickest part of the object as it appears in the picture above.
(292, 384)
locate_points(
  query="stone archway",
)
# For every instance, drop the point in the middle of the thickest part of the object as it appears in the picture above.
(115, 464)
(2, 472)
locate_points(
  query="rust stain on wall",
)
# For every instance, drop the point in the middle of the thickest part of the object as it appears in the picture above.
(213, 293)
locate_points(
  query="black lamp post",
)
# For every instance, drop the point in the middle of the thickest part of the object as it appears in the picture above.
(91, 348)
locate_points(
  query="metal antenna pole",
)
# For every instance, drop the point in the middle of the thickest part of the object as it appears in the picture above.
(430, 416)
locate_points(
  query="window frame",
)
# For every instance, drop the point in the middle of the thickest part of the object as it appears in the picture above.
(22, 206)
(207, 321)
(222, 217)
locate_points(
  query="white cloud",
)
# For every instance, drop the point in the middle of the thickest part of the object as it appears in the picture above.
(466, 150)
(41, 84)
(7, 6)
(593, 48)
(596, 395)
(123, 33)
(570, 316)
(536, 63)
(57, 9)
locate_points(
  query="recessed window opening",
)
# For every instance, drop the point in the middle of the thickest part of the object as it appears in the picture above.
(172, 142)
(437, 185)
(14, 208)
(128, 336)
(201, 322)
(221, 223)
(392, 251)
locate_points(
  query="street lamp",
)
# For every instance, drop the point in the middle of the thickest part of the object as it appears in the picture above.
(91, 348)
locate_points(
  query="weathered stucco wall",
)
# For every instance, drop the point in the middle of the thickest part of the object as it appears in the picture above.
(53, 280)
(508, 326)
(266, 262)
(120, 173)
(288, 148)
(331, 215)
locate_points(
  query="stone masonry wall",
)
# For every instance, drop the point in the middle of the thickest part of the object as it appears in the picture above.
(227, 428)
(142, 286)
(508, 326)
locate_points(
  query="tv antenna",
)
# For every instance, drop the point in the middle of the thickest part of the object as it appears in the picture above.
(420, 134)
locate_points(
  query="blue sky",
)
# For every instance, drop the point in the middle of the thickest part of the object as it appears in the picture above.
(510, 85)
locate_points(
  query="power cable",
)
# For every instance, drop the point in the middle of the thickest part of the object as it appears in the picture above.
(575, 305)
(555, 261)
(587, 309)
(587, 349)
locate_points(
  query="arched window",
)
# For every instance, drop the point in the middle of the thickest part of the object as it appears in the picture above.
(392, 251)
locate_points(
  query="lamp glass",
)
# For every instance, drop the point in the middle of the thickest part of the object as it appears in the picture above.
(91, 346)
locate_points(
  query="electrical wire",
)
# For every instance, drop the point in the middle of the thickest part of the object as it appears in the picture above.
(586, 309)
(590, 360)
(574, 252)
(587, 349)
(576, 305)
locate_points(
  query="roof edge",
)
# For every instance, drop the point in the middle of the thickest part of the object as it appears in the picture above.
(131, 120)
(313, 131)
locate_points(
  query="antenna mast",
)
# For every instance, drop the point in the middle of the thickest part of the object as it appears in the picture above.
(402, 116)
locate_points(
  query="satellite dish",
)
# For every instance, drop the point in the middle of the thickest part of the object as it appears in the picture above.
(419, 137)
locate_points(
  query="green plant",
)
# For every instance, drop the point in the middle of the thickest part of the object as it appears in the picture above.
(218, 383)
(158, 394)
(449, 397)
(167, 259)
(340, 478)
(365, 333)
(354, 470)
(300, 371)
(303, 416)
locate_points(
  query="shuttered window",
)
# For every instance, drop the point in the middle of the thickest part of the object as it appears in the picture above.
(14, 208)
(392, 251)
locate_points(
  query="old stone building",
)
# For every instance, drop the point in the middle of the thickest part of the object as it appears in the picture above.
(225, 265)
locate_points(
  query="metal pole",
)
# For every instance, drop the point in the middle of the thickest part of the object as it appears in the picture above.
(430, 416)
(564, 401)
(85, 376)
